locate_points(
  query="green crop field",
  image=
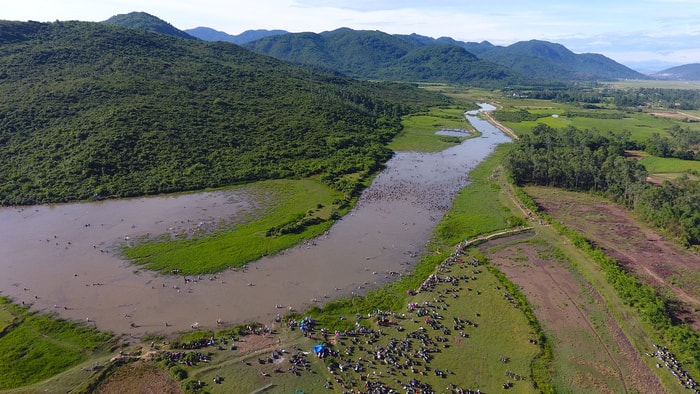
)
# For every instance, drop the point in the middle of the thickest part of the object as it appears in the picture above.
(664, 165)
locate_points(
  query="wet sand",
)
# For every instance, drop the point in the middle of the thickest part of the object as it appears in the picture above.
(60, 259)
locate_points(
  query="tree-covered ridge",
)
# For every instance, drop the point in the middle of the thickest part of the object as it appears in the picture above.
(543, 59)
(583, 160)
(147, 22)
(378, 55)
(96, 110)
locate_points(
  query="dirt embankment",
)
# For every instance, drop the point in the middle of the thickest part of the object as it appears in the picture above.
(661, 263)
(593, 353)
(500, 126)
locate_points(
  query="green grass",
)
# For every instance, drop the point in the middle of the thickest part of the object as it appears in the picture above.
(285, 202)
(38, 346)
(656, 84)
(662, 165)
(478, 208)
(418, 131)
(502, 331)
(640, 125)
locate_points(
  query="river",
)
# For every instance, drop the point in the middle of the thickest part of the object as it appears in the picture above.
(58, 258)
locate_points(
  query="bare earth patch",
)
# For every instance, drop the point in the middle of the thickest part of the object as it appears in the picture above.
(591, 352)
(142, 377)
(651, 258)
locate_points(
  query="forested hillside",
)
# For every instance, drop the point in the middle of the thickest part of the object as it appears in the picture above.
(148, 22)
(543, 59)
(378, 55)
(94, 110)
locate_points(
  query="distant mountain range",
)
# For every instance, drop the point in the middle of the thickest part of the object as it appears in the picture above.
(209, 34)
(686, 72)
(376, 55)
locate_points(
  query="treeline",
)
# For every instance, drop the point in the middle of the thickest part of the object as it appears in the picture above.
(684, 99)
(577, 159)
(97, 111)
(682, 143)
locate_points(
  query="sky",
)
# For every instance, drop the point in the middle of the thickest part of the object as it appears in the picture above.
(646, 35)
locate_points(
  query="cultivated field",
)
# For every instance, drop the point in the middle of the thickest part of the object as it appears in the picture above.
(666, 266)
(590, 351)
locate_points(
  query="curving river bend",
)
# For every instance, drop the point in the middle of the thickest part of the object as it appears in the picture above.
(58, 258)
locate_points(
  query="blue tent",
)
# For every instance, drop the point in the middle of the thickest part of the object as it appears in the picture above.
(318, 348)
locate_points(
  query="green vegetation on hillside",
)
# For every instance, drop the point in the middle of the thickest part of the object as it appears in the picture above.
(35, 347)
(376, 55)
(91, 110)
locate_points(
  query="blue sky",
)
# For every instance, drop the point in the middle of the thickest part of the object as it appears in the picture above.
(642, 34)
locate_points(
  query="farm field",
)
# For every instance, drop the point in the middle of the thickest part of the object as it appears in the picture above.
(641, 125)
(638, 247)
(667, 167)
(590, 353)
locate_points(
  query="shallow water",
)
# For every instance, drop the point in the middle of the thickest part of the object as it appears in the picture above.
(58, 258)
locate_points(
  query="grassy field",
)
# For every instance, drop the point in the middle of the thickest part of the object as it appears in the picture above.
(667, 165)
(640, 125)
(282, 204)
(418, 132)
(36, 347)
(656, 84)
(479, 208)
(495, 343)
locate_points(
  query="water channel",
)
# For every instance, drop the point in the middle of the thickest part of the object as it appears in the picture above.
(59, 258)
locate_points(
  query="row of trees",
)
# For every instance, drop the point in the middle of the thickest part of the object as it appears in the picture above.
(684, 99)
(682, 143)
(577, 159)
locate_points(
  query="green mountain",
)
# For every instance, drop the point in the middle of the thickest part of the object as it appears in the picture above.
(377, 55)
(543, 59)
(92, 109)
(147, 22)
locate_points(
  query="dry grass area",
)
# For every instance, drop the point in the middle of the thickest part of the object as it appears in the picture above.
(640, 249)
(142, 377)
(590, 351)
(674, 115)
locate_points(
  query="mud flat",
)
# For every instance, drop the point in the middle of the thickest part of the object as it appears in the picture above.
(59, 258)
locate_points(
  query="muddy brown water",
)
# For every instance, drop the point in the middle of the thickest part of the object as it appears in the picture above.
(59, 258)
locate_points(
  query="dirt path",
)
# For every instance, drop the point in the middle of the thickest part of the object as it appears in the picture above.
(500, 126)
